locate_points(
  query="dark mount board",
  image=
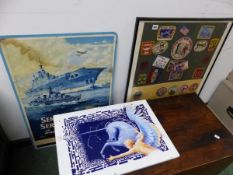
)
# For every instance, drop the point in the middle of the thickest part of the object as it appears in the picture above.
(173, 56)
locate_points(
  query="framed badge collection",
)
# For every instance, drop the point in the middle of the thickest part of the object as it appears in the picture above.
(173, 56)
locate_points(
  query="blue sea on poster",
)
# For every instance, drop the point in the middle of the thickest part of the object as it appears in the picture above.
(41, 122)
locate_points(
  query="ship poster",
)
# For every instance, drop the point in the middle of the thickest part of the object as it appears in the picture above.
(58, 73)
(111, 140)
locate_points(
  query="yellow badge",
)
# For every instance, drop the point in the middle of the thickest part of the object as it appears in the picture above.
(213, 44)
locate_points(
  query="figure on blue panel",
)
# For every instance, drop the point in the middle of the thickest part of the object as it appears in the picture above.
(142, 139)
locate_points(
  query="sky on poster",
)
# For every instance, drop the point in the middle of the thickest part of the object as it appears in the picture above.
(58, 55)
(90, 40)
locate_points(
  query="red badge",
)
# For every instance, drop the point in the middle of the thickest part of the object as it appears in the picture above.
(144, 65)
(146, 48)
(153, 76)
(198, 73)
(206, 60)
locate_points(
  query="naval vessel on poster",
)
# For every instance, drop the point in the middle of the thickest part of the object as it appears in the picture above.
(58, 73)
(43, 80)
(54, 94)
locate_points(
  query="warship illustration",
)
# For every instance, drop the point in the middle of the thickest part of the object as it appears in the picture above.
(53, 98)
(83, 77)
(48, 89)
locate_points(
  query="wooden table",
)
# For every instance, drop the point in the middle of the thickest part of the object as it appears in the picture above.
(191, 126)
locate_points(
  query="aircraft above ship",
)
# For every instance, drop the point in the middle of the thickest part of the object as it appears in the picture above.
(79, 53)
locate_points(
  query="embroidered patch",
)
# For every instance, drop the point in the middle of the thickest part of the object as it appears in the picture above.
(175, 75)
(193, 87)
(206, 60)
(171, 65)
(146, 48)
(160, 47)
(153, 76)
(144, 65)
(161, 91)
(213, 44)
(172, 90)
(198, 73)
(137, 95)
(184, 88)
(181, 48)
(160, 62)
(205, 32)
(141, 79)
(177, 66)
(184, 30)
(155, 27)
(200, 45)
(166, 32)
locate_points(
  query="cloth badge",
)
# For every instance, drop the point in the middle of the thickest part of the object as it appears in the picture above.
(146, 48)
(178, 66)
(137, 95)
(155, 27)
(153, 75)
(144, 65)
(142, 79)
(184, 30)
(160, 62)
(160, 47)
(213, 44)
(161, 91)
(172, 90)
(200, 45)
(206, 60)
(205, 32)
(166, 32)
(193, 87)
(198, 73)
(181, 48)
(184, 88)
(175, 75)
